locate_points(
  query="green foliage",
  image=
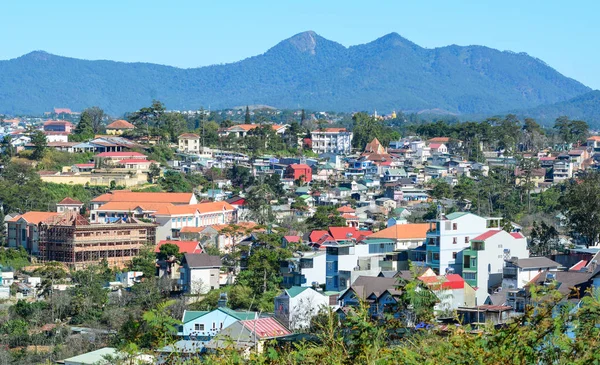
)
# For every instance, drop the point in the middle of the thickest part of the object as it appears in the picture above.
(571, 131)
(15, 258)
(167, 250)
(40, 144)
(581, 205)
(55, 160)
(85, 128)
(145, 261)
(325, 217)
(366, 128)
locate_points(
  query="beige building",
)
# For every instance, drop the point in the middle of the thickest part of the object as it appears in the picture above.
(189, 143)
(118, 127)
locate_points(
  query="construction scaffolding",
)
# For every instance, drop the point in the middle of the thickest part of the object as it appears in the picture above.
(72, 240)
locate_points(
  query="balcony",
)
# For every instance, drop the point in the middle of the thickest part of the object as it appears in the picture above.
(510, 272)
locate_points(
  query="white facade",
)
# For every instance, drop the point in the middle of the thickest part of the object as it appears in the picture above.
(204, 325)
(448, 237)
(189, 143)
(316, 273)
(170, 225)
(296, 307)
(331, 140)
(199, 280)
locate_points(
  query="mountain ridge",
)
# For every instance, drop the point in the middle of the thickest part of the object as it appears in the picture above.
(388, 73)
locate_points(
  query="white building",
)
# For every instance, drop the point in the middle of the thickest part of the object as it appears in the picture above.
(331, 140)
(518, 272)
(295, 307)
(189, 143)
(449, 236)
(203, 325)
(483, 262)
(199, 273)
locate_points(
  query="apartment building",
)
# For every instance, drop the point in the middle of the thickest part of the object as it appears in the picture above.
(331, 140)
(189, 143)
(448, 236)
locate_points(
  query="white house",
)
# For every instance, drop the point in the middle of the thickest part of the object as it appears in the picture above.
(518, 272)
(449, 236)
(199, 273)
(483, 262)
(189, 143)
(331, 140)
(296, 306)
(204, 325)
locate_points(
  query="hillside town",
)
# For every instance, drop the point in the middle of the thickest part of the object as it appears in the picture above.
(245, 239)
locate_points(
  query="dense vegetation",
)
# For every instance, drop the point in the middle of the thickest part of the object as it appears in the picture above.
(388, 73)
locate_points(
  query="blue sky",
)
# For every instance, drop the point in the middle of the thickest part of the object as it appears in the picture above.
(197, 33)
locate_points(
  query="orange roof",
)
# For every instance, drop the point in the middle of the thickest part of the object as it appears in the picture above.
(189, 136)
(191, 209)
(403, 231)
(349, 216)
(120, 124)
(374, 147)
(248, 127)
(130, 206)
(184, 246)
(346, 209)
(332, 130)
(439, 140)
(70, 201)
(591, 138)
(144, 197)
(192, 229)
(34, 217)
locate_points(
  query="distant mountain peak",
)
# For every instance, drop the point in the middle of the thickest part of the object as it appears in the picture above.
(395, 40)
(305, 42)
(37, 55)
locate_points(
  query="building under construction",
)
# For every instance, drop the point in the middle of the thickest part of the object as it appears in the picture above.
(71, 239)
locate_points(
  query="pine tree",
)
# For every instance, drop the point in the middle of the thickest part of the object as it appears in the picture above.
(247, 117)
(84, 130)
(2, 230)
(303, 116)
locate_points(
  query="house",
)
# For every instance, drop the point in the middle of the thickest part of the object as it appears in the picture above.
(184, 246)
(306, 270)
(199, 273)
(222, 236)
(172, 218)
(484, 314)
(69, 204)
(23, 230)
(449, 235)
(189, 143)
(114, 158)
(451, 290)
(518, 272)
(296, 306)
(483, 262)
(106, 356)
(248, 335)
(122, 196)
(204, 325)
(57, 138)
(118, 127)
(438, 148)
(299, 172)
(402, 236)
(242, 130)
(380, 293)
(58, 126)
(331, 140)
(393, 175)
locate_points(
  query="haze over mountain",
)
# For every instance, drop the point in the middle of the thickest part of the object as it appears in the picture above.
(583, 107)
(306, 70)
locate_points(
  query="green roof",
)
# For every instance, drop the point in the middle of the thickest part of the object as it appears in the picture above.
(240, 316)
(191, 315)
(399, 210)
(295, 290)
(436, 167)
(302, 189)
(455, 215)
(343, 188)
(378, 240)
(94, 357)
(305, 196)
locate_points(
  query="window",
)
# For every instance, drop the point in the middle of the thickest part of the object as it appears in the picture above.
(454, 226)
(214, 327)
(199, 327)
(473, 262)
(454, 240)
(469, 276)
(436, 257)
(454, 254)
(467, 239)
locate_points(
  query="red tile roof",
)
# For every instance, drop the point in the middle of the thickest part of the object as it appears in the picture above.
(35, 217)
(578, 266)
(70, 201)
(191, 209)
(296, 166)
(58, 122)
(120, 154)
(517, 235)
(144, 197)
(266, 327)
(184, 246)
(292, 238)
(62, 111)
(346, 209)
(332, 130)
(403, 231)
(120, 124)
(486, 235)
(341, 233)
(85, 165)
(189, 136)
(317, 234)
(449, 281)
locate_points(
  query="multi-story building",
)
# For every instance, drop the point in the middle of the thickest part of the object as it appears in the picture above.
(306, 270)
(69, 238)
(331, 140)
(199, 273)
(58, 126)
(518, 272)
(483, 262)
(189, 143)
(563, 168)
(449, 236)
(296, 306)
(118, 127)
(171, 219)
(23, 230)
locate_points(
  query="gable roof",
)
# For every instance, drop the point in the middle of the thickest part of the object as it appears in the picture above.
(184, 246)
(296, 290)
(189, 136)
(120, 124)
(191, 315)
(202, 260)
(147, 197)
(346, 209)
(486, 235)
(265, 327)
(70, 201)
(448, 281)
(207, 207)
(317, 234)
(535, 263)
(121, 154)
(341, 233)
(364, 286)
(130, 206)
(455, 215)
(403, 231)
(34, 217)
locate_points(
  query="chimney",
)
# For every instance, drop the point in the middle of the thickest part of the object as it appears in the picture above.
(222, 303)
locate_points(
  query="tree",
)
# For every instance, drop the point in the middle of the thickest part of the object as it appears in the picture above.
(8, 151)
(174, 182)
(85, 128)
(581, 206)
(325, 217)
(167, 250)
(96, 116)
(153, 172)
(302, 116)
(544, 239)
(40, 143)
(258, 203)
(149, 118)
(441, 189)
(145, 262)
(247, 115)
(172, 124)
(160, 326)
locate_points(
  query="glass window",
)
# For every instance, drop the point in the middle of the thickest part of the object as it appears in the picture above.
(454, 226)
(454, 240)
(454, 254)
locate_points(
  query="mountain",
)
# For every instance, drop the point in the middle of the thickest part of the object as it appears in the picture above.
(584, 107)
(389, 73)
